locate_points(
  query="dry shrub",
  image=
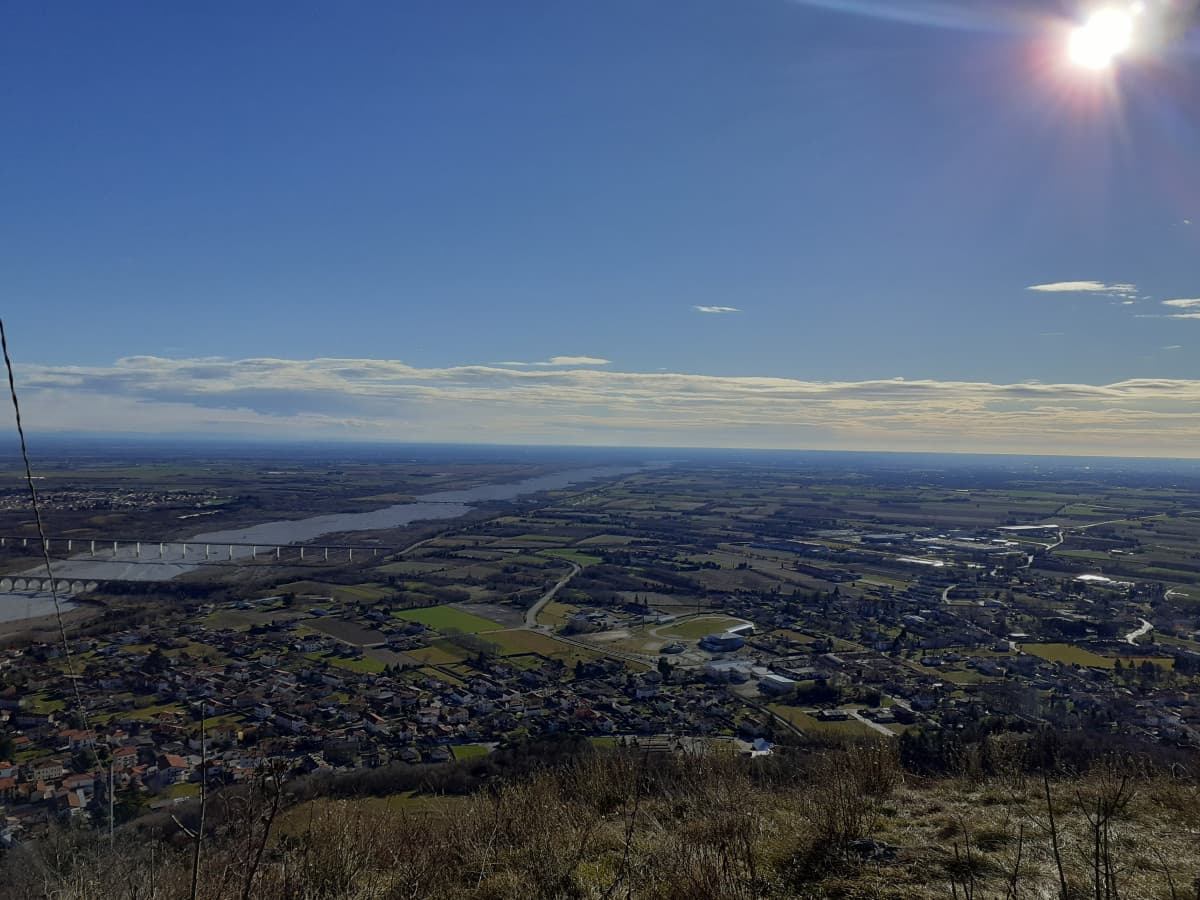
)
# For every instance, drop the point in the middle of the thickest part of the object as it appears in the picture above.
(846, 790)
(625, 826)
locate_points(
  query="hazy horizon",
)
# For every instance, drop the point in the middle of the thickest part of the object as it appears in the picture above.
(49, 444)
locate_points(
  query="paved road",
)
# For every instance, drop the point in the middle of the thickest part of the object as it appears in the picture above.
(875, 726)
(531, 614)
(1125, 519)
(1138, 632)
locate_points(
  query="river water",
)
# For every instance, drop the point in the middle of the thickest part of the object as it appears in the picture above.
(126, 566)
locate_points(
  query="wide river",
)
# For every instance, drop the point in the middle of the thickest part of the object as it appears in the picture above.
(125, 566)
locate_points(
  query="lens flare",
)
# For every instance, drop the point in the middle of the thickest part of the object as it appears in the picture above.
(1107, 34)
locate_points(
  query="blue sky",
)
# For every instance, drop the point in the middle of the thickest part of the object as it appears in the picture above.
(435, 192)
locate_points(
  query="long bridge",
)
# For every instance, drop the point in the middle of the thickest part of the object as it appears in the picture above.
(190, 550)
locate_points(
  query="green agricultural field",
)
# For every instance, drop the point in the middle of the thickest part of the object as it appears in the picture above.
(812, 725)
(576, 556)
(517, 642)
(606, 540)
(365, 665)
(224, 619)
(40, 703)
(439, 653)
(413, 567)
(700, 626)
(440, 674)
(534, 540)
(1070, 654)
(445, 618)
(470, 751)
(348, 593)
(555, 614)
(964, 676)
(149, 712)
(793, 636)
(524, 559)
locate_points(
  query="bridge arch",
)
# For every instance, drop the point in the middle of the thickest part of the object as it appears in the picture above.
(20, 584)
(63, 586)
(77, 587)
(6, 585)
(92, 585)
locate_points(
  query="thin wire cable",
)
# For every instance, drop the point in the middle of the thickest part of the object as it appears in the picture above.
(37, 516)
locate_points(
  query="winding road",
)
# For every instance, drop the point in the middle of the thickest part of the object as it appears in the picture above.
(1138, 632)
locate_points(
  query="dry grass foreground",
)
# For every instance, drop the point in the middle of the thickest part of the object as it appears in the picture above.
(836, 824)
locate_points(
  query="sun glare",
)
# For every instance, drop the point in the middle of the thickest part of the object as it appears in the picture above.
(1102, 38)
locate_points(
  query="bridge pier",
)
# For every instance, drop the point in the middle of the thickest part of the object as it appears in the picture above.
(212, 552)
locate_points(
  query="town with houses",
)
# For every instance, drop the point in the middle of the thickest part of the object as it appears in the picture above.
(656, 608)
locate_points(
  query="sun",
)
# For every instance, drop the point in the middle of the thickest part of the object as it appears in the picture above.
(1106, 34)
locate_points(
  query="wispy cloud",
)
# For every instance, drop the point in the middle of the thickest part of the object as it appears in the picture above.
(562, 361)
(1173, 347)
(1126, 291)
(716, 309)
(391, 400)
(1190, 304)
